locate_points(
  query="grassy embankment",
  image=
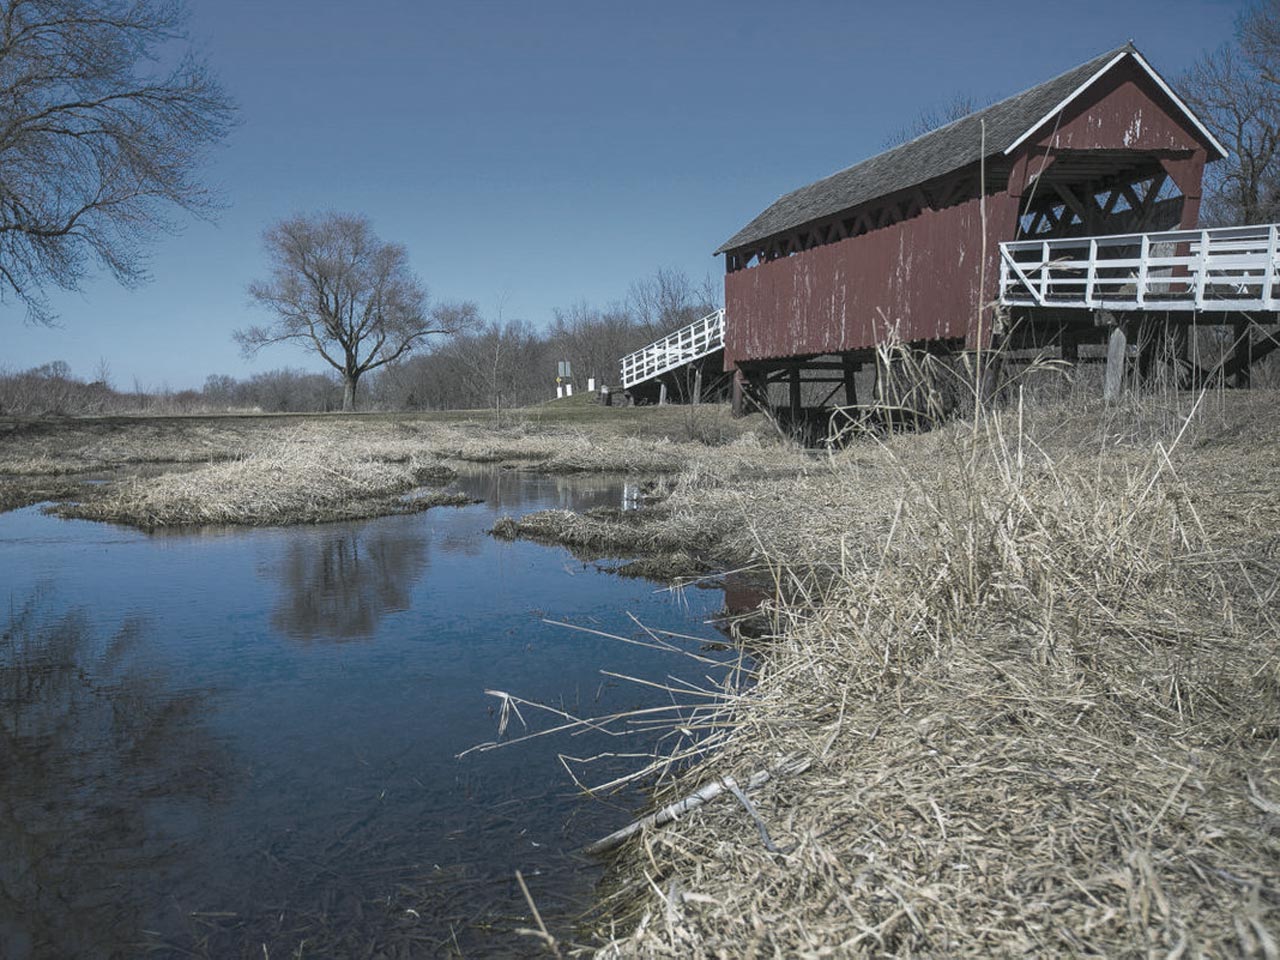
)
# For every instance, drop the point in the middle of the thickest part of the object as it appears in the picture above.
(1030, 671)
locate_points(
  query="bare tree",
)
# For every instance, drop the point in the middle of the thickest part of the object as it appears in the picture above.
(668, 299)
(930, 119)
(1236, 90)
(97, 141)
(497, 365)
(348, 295)
(594, 340)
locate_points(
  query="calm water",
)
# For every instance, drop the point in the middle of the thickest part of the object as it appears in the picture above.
(231, 742)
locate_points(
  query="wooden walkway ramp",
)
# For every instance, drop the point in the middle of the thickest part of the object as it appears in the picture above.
(687, 346)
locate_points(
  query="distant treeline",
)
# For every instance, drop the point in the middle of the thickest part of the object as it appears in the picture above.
(497, 365)
(53, 390)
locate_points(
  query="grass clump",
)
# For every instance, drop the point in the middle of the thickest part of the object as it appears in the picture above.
(23, 491)
(658, 540)
(1038, 691)
(299, 482)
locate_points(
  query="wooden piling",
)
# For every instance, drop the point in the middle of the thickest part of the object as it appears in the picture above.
(850, 386)
(1242, 354)
(1117, 350)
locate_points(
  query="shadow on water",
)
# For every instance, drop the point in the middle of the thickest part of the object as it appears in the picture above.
(102, 763)
(186, 771)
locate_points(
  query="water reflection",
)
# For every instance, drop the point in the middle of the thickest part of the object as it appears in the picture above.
(102, 766)
(340, 585)
(514, 491)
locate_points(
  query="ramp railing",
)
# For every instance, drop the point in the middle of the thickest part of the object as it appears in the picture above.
(1226, 268)
(698, 339)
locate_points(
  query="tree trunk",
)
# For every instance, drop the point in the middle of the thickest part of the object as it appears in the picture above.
(349, 393)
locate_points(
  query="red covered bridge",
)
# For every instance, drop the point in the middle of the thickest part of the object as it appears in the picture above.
(905, 247)
(895, 246)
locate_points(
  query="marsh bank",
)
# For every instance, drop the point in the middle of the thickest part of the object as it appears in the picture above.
(1031, 662)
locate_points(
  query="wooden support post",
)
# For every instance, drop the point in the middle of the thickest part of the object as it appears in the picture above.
(1150, 334)
(1242, 353)
(739, 384)
(795, 394)
(662, 393)
(1117, 350)
(1070, 344)
(1177, 342)
(989, 382)
(697, 385)
(850, 386)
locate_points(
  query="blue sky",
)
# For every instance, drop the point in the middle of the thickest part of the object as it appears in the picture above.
(532, 154)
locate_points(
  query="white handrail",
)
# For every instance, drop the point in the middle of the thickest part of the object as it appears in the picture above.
(1226, 268)
(702, 337)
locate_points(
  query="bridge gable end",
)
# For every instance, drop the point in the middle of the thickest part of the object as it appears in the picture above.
(1124, 110)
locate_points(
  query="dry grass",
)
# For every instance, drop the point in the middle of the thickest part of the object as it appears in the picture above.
(1033, 668)
(289, 469)
(300, 482)
(25, 491)
(69, 445)
(592, 450)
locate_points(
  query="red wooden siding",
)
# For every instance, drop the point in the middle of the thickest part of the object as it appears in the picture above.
(921, 275)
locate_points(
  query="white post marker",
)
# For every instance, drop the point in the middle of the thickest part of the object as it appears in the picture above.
(559, 392)
(591, 384)
(568, 389)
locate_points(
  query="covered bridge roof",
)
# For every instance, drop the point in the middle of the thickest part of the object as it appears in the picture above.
(945, 149)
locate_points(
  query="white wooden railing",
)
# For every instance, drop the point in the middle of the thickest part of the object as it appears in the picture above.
(698, 339)
(1227, 268)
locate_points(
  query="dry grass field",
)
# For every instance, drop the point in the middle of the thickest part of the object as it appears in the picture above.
(168, 471)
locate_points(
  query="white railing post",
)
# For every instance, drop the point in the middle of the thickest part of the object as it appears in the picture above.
(1144, 251)
(1202, 269)
(1269, 274)
(1044, 271)
(1091, 273)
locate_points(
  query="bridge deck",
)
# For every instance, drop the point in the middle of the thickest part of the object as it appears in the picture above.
(699, 339)
(1223, 269)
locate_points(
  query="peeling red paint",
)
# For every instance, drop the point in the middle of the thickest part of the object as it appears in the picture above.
(856, 293)
(1124, 110)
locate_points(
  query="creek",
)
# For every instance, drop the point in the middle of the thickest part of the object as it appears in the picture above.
(244, 742)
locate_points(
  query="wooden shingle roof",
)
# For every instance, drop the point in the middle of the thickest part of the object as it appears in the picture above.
(942, 151)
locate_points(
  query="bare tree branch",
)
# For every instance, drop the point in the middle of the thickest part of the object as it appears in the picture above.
(97, 142)
(1235, 90)
(960, 105)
